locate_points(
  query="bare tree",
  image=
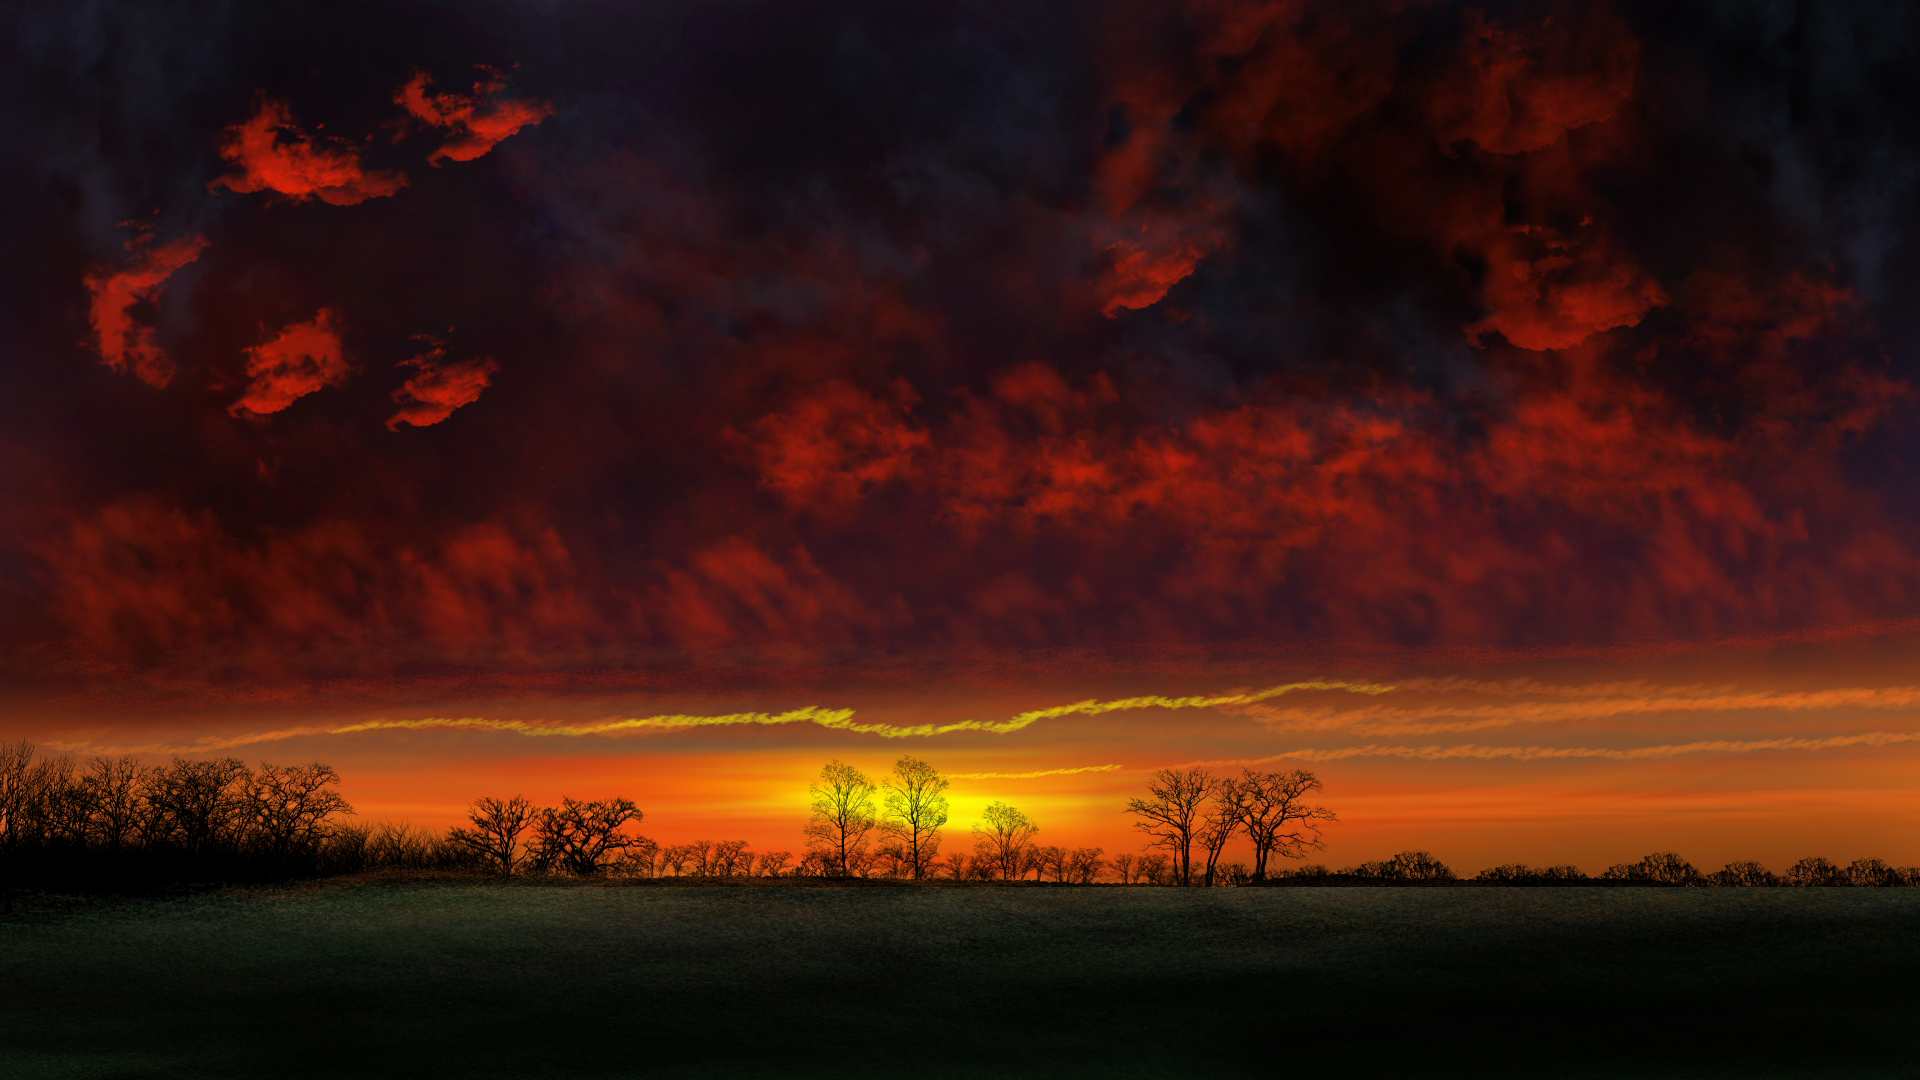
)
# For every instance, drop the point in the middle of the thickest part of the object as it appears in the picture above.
(774, 863)
(843, 816)
(1874, 873)
(15, 758)
(639, 859)
(1004, 838)
(1743, 875)
(1123, 865)
(1172, 815)
(1084, 865)
(1276, 817)
(197, 802)
(1406, 866)
(1660, 868)
(497, 825)
(916, 808)
(892, 860)
(1050, 862)
(1155, 870)
(287, 807)
(581, 836)
(731, 857)
(955, 865)
(1219, 822)
(1816, 871)
(674, 857)
(116, 793)
(700, 857)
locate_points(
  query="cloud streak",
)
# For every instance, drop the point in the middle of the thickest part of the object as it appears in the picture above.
(1472, 752)
(1641, 700)
(1032, 775)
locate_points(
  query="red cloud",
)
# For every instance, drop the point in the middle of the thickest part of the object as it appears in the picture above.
(1516, 91)
(440, 388)
(479, 121)
(122, 344)
(140, 578)
(305, 357)
(836, 445)
(1552, 293)
(275, 155)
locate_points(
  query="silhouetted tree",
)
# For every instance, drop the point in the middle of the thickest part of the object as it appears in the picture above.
(116, 799)
(15, 758)
(915, 809)
(497, 826)
(196, 803)
(843, 816)
(1051, 862)
(1816, 871)
(1084, 865)
(1219, 822)
(1277, 818)
(581, 836)
(1004, 837)
(1873, 873)
(1155, 869)
(1504, 873)
(639, 860)
(1123, 867)
(287, 807)
(1659, 868)
(774, 863)
(1742, 875)
(955, 865)
(1406, 866)
(731, 857)
(1522, 874)
(1171, 814)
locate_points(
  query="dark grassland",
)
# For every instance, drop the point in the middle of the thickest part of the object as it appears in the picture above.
(413, 980)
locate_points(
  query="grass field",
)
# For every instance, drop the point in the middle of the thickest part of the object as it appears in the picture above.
(523, 981)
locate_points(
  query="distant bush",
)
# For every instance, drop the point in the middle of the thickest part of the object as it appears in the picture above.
(1406, 866)
(1743, 875)
(1522, 874)
(1659, 868)
(1875, 873)
(1816, 871)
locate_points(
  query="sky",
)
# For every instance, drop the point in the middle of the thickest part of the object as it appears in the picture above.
(1505, 411)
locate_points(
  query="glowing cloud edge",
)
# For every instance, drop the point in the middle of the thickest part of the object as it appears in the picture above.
(842, 719)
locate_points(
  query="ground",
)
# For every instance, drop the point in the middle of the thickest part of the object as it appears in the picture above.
(482, 981)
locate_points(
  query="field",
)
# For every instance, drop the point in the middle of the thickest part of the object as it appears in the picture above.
(415, 980)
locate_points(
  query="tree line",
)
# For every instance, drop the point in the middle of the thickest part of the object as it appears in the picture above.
(116, 823)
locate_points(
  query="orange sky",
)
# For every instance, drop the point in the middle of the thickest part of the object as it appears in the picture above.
(1721, 751)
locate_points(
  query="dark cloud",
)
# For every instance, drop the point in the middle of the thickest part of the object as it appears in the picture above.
(810, 331)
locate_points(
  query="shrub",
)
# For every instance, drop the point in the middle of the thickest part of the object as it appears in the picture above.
(1406, 866)
(1659, 868)
(1743, 875)
(1816, 871)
